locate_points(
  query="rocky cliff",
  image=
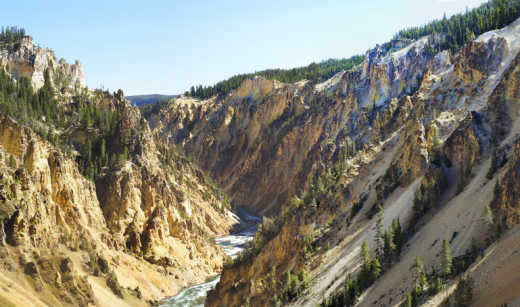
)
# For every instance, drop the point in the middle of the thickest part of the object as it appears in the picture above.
(139, 229)
(24, 59)
(289, 126)
(399, 121)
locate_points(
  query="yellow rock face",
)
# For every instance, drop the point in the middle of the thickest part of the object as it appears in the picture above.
(148, 224)
(396, 108)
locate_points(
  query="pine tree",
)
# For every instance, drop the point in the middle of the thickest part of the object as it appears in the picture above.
(348, 283)
(365, 277)
(418, 206)
(409, 300)
(376, 269)
(469, 35)
(419, 276)
(493, 167)
(398, 236)
(365, 254)
(380, 237)
(351, 291)
(390, 247)
(446, 260)
(489, 214)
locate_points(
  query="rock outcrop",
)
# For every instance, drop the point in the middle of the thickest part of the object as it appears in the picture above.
(25, 59)
(506, 202)
(147, 222)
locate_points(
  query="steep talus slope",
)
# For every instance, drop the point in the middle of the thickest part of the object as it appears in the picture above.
(496, 277)
(469, 85)
(133, 224)
(399, 122)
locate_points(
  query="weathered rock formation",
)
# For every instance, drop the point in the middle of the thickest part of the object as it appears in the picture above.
(288, 126)
(411, 116)
(145, 225)
(25, 59)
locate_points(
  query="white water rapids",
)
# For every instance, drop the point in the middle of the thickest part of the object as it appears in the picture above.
(232, 245)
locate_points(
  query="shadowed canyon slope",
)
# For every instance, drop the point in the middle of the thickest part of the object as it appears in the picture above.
(400, 122)
(260, 142)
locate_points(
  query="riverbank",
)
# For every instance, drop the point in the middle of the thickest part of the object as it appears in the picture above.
(232, 245)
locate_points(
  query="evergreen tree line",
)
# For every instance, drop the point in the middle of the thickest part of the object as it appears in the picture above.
(105, 143)
(293, 287)
(456, 31)
(106, 146)
(11, 34)
(424, 285)
(353, 287)
(460, 28)
(315, 72)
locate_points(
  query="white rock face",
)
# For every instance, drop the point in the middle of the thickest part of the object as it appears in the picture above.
(24, 59)
(330, 83)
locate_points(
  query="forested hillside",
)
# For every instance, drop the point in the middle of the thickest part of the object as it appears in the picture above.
(457, 29)
(107, 141)
(140, 100)
(314, 72)
(11, 34)
(461, 28)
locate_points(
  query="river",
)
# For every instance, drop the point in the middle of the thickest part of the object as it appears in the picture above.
(232, 245)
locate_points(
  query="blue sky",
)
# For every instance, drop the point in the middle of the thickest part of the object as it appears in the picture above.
(164, 47)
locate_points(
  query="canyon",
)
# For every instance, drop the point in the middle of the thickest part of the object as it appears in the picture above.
(392, 182)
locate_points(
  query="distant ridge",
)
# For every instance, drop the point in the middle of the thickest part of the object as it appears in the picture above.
(140, 100)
